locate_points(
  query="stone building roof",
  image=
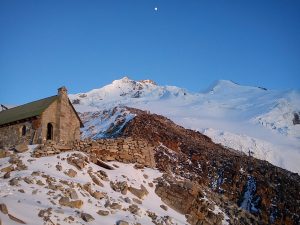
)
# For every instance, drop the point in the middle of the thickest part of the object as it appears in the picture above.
(29, 110)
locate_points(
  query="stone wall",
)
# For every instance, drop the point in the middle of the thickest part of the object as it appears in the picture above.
(49, 116)
(12, 135)
(126, 150)
(67, 120)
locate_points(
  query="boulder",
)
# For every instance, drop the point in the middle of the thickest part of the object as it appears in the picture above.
(134, 209)
(71, 173)
(98, 195)
(140, 193)
(64, 201)
(3, 208)
(122, 222)
(103, 212)
(164, 207)
(6, 175)
(7, 169)
(115, 206)
(21, 148)
(87, 217)
(58, 167)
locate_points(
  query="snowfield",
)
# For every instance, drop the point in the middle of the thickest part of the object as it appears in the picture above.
(240, 117)
(26, 199)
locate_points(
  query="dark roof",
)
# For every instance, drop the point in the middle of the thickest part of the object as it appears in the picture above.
(25, 111)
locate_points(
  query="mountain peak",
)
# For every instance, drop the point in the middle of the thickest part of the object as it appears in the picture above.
(225, 83)
(148, 82)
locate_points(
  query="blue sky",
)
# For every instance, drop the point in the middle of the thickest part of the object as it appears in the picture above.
(187, 43)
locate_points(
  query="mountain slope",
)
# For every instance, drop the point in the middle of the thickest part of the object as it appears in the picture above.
(266, 191)
(240, 117)
(44, 191)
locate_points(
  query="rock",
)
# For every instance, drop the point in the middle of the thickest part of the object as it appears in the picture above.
(103, 212)
(72, 193)
(21, 166)
(4, 153)
(88, 188)
(3, 208)
(138, 201)
(41, 213)
(139, 166)
(119, 187)
(64, 201)
(28, 180)
(115, 206)
(58, 167)
(21, 148)
(98, 195)
(39, 182)
(16, 219)
(36, 173)
(145, 176)
(134, 209)
(7, 169)
(78, 160)
(71, 173)
(96, 180)
(140, 193)
(164, 207)
(75, 204)
(21, 190)
(122, 222)
(87, 217)
(14, 182)
(127, 200)
(7, 175)
(103, 173)
(104, 165)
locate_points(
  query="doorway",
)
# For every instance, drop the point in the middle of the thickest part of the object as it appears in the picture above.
(49, 131)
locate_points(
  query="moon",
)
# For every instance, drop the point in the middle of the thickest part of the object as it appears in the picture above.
(155, 8)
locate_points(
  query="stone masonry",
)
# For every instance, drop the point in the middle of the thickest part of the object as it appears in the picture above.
(125, 150)
(59, 115)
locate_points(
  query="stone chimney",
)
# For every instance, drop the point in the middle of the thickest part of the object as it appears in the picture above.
(62, 91)
(62, 114)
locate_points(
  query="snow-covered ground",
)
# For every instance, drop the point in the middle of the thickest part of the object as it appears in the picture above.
(240, 117)
(26, 199)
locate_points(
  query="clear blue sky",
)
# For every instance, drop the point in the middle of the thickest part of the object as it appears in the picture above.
(187, 43)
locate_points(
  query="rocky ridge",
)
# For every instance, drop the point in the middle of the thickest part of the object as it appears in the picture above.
(266, 191)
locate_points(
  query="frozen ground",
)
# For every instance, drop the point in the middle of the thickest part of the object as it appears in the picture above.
(25, 200)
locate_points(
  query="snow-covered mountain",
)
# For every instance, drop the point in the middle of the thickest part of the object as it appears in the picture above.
(240, 117)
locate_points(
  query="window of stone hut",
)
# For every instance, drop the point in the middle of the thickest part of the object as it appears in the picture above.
(24, 130)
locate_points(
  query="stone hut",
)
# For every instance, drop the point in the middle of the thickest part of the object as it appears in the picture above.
(53, 118)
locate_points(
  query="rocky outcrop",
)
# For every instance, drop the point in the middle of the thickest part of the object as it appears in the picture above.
(195, 157)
